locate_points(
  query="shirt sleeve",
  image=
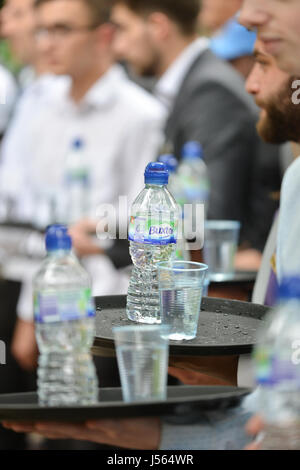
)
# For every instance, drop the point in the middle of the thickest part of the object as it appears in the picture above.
(26, 275)
(288, 247)
(119, 254)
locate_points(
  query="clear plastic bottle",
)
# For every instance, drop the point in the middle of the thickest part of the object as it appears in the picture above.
(194, 183)
(172, 166)
(64, 320)
(76, 198)
(277, 365)
(182, 252)
(153, 238)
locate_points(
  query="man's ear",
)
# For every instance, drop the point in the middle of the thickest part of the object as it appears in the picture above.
(105, 34)
(160, 25)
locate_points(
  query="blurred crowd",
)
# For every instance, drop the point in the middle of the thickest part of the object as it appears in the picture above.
(127, 87)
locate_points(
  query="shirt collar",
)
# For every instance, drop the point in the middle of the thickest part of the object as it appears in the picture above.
(169, 85)
(103, 92)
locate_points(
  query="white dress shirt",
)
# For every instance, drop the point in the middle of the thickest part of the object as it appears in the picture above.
(288, 246)
(167, 88)
(122, 127)
(14, 154)
(120, 124)
(288, 235)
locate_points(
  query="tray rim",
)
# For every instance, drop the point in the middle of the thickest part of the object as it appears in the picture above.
(234, 394)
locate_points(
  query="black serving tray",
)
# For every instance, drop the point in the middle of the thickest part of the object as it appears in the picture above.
(226, 327)
(182, 402)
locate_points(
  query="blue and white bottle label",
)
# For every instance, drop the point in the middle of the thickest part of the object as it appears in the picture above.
(51, 307)
(152, 231)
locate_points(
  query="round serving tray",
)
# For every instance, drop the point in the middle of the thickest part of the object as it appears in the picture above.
(239, 277)
(226, 327)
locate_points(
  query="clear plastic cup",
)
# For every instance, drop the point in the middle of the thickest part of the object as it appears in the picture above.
(220, 246)
(181, 285)
(142, 354)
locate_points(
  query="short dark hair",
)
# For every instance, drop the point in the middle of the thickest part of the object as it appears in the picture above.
(183, 12)
(99, 9)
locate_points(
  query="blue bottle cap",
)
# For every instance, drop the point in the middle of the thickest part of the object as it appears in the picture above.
(170, 161)
(156, 173)
(289, 288)
(78, 144)
(57, 238)
(192, 150)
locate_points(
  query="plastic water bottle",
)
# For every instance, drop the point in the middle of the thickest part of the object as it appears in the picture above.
(182, 253)
(172, 165)
(194, 183)
(277, 360)
(153, 238)
(76, 197)
(64, 319)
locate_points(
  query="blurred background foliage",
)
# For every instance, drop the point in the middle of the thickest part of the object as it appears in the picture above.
(6, 57)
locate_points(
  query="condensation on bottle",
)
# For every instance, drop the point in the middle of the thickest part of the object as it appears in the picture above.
(153, 238)
(182, 251)
(76, 197)
(194, 188)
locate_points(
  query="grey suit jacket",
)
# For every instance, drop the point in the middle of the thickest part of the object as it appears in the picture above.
(214, 108)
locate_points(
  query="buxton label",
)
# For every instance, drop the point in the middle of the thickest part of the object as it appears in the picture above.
(152, 231)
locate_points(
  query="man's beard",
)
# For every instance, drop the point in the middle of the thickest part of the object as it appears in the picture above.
(147, 71)
(151, 66)
(282, 121)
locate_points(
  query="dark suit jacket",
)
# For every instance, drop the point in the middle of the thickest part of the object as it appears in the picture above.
(214, 108)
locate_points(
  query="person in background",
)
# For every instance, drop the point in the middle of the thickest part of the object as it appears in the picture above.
(8, 98)
(277, 106)
(277, 26)
(279, 122)
(12, 377)
(18, 28)
(214, 430)
(215, 13)
(8, 90)
(18, 23)
(206, 101)
(120, 124)
(235, 44)
(229, 40)
(232, 42)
